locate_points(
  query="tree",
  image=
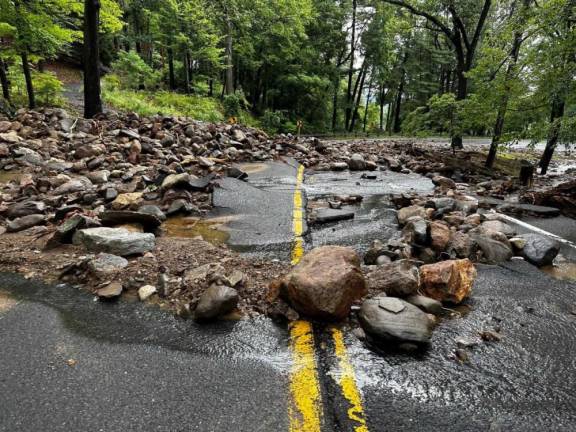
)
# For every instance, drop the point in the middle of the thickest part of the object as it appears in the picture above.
(463, 28)
(92, 100)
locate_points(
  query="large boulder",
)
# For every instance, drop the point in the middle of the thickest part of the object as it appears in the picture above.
(538, 249)
(389, 319)
(216, 301)
(397, 279)
(495, 247)
(416, 230)
(448, 281)
(115, 241)
(440, 236)
(498, 226)
(357, 162)
(325, 283)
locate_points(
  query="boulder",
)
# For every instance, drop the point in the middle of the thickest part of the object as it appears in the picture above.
(444, 182)
(25, 222)
(448, 281)
(357, 163)
(397, 279)
(127, 200)
(461, 245)
(325, 283)
(440, 236)
(539, 250)
(118, 217)
(389, 319)
(416, 230)
(116, 241)
(153, 210)
(216, 301)
(495, 249)
(407, 212)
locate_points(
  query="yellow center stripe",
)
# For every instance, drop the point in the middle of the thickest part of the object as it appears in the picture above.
(347, 383)
(305, 403)
(298, 219)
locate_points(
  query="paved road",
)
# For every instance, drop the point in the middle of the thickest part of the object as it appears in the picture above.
(71, 363)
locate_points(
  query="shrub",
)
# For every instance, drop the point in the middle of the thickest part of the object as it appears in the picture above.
(134, 73)
(47, 88)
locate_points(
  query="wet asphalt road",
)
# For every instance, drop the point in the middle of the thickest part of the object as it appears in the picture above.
(139, 368)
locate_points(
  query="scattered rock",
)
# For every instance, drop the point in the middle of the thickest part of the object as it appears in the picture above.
(325, 283)
(145, 292)
(448, 281)
(407, 212)
(110, 291)
(116, 241)
(389, 319)
(25, 222)
(105, 264)
(427, 304)
(397, 279)
(539, 250)
(327, 215)
(216, 301)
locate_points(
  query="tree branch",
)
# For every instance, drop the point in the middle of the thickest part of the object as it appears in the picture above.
(435, 20)
(459, 25)
(479, 27)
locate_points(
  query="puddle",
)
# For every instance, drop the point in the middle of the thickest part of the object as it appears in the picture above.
(564, 271)
(189, 227)
(8, 176)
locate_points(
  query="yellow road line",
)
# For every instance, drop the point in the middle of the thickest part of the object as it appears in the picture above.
(347, 382)
(298, 219)
(305, 408)
(305, 402)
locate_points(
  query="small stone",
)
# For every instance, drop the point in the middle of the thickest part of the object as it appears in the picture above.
(145, 292)
(216, 301)
(110, 291)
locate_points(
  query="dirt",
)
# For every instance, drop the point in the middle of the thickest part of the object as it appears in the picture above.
(23, 254)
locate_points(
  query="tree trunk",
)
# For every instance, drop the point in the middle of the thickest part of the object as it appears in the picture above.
(349, 96)
(171, 77)
(335, 106)
(398, 106)
(558, 105)
(229, 78)
(186, 73)
(358, 95)
(382, 98)
(4, 80)
(367, 105)
(28, 78)
(92, 90)
(211, 87)
(461, 94)
(510, 71)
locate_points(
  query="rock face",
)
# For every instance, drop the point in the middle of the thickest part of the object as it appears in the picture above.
(539, 250)
(325, 283)
(389, 319)
(216, 301)
(397, 279)
(116, 241)
(448, 281)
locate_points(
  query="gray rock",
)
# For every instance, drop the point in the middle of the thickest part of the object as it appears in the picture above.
(499, 226)
(26, 208)
(539, 250)
(398, 279)
(25, 222)
(105, 264)
(357, 163)
(145, 292)
(327, 215)
(116, 241)
(70, 187)
(389, 319)
(407, 212)
(494, 250)
(216, 301)
(416, 230)
(153, 210)
(338, 166)
(427, 304)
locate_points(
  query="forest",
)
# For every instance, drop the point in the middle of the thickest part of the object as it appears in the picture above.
(503, 69)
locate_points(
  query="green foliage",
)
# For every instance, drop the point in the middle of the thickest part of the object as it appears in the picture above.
(231, 105)
(134, 73)
(48, 88)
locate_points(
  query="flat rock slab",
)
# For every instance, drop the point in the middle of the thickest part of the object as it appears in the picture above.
(116, 241)
(118, 217)
(328, 215)
(518, 208)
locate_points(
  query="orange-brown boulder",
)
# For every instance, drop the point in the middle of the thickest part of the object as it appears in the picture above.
(449, 281)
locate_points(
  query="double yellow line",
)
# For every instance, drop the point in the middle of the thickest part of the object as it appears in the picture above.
(305, 407)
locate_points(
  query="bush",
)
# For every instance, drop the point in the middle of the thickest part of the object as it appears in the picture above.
(272, 121)
(231, 105)
(47, 88)
(134, 73)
